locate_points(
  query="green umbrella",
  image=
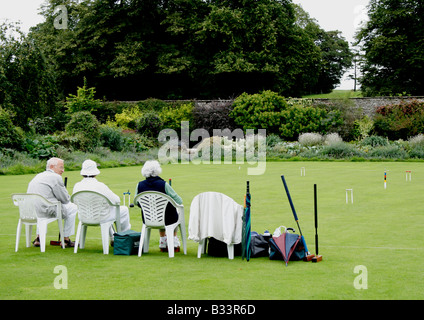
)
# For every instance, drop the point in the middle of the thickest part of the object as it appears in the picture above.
(245, 243)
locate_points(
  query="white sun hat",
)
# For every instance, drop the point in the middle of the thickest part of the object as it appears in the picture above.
(89, 168)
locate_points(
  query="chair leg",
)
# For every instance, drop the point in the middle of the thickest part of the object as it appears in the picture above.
(200, 248)
(28, 234)
(62, 241)
(140, 248)
(205, 245)
(146, 240)
(42, 225)
(105, 237)
(18, 235)
(183, 237)
(83, 236)
(169, 230)
(77, 239)
(230, 249)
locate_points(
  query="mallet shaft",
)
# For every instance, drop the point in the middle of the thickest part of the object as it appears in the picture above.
(316, 219)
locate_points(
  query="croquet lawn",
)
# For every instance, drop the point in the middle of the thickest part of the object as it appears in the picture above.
(372, 248)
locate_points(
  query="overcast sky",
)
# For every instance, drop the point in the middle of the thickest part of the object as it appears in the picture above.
(342, 15)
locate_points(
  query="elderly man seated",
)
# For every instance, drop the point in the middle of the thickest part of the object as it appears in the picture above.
(89, 183)
(49, 184)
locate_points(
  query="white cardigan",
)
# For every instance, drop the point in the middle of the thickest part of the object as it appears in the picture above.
(214, 214)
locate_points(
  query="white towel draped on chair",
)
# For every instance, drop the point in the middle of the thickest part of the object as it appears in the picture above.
(213, 214)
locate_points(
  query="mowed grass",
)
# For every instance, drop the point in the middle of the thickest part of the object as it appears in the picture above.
(336, 94)
(381, 231)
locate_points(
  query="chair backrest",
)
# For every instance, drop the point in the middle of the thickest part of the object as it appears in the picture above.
(28, 204)
(93, 207)
(153, 204)
(214, 214)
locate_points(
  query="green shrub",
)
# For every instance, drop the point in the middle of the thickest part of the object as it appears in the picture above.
(152, 105)
(259, 111)
(111, 137)
(10, 136)
(344, 114)
(363, 127)
(417, 152)
(340, 150)
(85, 129)
(288, 118)
(128, 117)
(374, 141)
(107, 110)
(272, 140)
(43, 125)
(83, 101)
(172, 116)
(149, 125)
(400, 121)
(299, 119)
(42, 147)
(134, 142)
(388, 152)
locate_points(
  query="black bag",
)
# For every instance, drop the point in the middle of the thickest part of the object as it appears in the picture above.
(217, 248)
(259, 245)
(126, 243)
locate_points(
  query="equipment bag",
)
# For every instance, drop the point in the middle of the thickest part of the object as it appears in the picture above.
(217, 248)
(126, 242)
(259, 245)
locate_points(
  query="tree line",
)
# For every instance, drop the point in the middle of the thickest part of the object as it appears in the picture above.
(201, 49)
(136, 49)
(392, 48)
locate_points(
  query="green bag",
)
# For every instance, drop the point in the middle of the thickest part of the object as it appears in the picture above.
(126, 242)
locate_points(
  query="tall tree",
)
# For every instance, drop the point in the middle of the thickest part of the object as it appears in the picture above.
(393, 46)
(335, 54)
(27, 82)
(136, 49)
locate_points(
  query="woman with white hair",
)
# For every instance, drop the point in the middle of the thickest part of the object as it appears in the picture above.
(151, 171)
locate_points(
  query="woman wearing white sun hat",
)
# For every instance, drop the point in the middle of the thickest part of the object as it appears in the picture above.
(89, 183)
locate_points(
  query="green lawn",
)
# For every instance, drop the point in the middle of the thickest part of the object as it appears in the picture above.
(336, 94)
(381, 230)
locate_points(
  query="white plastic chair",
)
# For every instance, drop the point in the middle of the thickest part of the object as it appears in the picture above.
(214, 214)
(153, 205)
(94, 210)
(27, 203)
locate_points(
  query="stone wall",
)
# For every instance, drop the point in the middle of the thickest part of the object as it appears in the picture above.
(365, 105)
(368, 105)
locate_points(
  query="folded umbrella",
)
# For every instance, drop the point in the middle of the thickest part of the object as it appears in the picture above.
(246, 237)
(286, 244)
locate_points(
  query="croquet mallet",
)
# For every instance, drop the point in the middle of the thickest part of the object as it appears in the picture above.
(308, 256)
(317, 257)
